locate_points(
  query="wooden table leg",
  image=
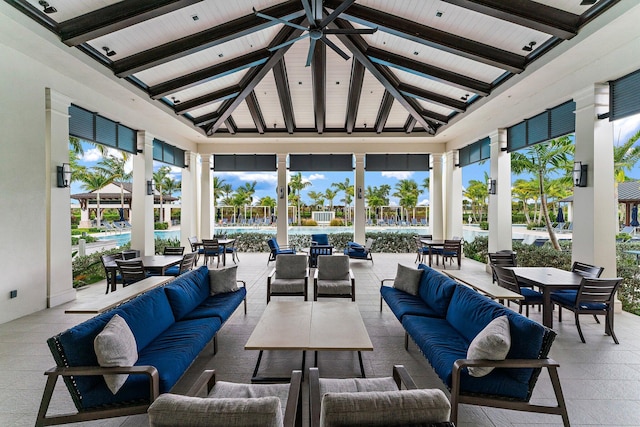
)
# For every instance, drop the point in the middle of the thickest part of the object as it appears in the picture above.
(547, 308)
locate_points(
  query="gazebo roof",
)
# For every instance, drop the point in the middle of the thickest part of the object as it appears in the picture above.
(114, 198)
(628, 192)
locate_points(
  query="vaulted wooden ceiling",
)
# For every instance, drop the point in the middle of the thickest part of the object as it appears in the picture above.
(214, 62)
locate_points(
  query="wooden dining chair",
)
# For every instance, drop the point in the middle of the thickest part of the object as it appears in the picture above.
(211, 249)
(450, 250)
(508, 280)
(171, 250)
(131, 271)
(595, 296)
(502, 259)
(111, 275)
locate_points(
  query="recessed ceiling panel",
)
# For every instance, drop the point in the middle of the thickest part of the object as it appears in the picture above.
(198, 112)
(370, 99)
(338, 75)
(242, 117)
(300, 84)
(269, 102)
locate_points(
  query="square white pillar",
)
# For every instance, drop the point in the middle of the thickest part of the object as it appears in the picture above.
(359, 219)
(59, 277)
(500, 203)
(436, 211)
(282, 224)
(453, 196)
(594, 216)
(142, 220)
(188, 200)
(206, 199)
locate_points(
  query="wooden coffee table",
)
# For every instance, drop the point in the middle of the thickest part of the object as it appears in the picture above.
(307, 325)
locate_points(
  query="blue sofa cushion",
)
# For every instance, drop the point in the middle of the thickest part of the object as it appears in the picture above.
(220, 305)
(320, 239)
(469, 312)
(443, 345)
(148, 316)
(188, 291)
(402, 303)
(355, 253)
(436, 290)
(183, 341)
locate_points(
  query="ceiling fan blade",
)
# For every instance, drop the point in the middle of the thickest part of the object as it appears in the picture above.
(312, 49)
(282, 21)
(288, 42)
(308, 11)
(337, 11)
(335, 48)
(350, 31)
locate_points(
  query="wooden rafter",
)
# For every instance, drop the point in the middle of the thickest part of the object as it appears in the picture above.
(205, 39)
(383, 112)
(409, 124)
(526, 13)
(231, 126)
(355, 90)
(208, 99)
(319, 83)
(284, 94)
(256, 112)
(428, 36)
(115, 17)
(434, 98)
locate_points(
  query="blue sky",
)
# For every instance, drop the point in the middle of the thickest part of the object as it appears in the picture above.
(266, 181)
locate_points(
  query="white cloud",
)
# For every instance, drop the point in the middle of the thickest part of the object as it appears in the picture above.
(315, 176)
(423, 202)
(92, 155)
(397, 175)
(268, 177)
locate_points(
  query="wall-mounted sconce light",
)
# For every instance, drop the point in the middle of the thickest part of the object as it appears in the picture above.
(281, 192)
(579, 174)
(151, 187)
(492, 186)
(359, 192)
(456, 158)
(503, 146)
(64, 175)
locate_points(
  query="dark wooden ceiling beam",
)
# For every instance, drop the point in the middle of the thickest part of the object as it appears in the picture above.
(353, 98)
(284, 94)
(256, 112)
(356, 45)
(116, 17)
(215, 36)
(383, 111)
(537, 16)
(409, 124)
(319, 83)
(256, 75)
(210, 73)
(409, 30)
(231, 126)
(208, 99)
(428, 71)
(434, 98)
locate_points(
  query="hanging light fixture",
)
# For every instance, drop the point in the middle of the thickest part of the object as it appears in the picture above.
(64, 175)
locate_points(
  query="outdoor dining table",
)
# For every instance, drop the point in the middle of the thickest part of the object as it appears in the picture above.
(548, 279)
(223, 244)
(432, 244)
(157, 264)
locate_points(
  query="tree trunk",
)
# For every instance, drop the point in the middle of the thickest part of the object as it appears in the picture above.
(545, 213)
(525, 210)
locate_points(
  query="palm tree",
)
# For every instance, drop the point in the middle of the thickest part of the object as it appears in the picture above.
(348, 193)
(377, 196)
(159, 178)
(114, 166)
(625, 157)
(329, 195)
(217, 192)
(544, 161)
(477, 193)
(525, 191)
(268, 201)
(297, 185)
(95, 181)
(407, 192)
(317, 198)
(226, 190)
(247, 191)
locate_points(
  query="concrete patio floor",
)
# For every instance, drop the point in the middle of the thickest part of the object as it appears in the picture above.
(600, 380)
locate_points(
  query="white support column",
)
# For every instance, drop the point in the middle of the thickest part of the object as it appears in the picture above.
(436, 214)
(500, 203)
(188, 200)
(282, 224)
(453, 196)
(206, 199)
(359, 219)
(59, 278)
(595, 219)
(85, 222)
(142, 221)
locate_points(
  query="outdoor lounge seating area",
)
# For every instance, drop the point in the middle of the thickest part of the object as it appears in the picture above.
(600, 380)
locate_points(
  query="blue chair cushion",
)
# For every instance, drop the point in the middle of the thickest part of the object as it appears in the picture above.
(435, 289)
(402, 303)
(531, 296)
(172, 271)
(320, 239)
(220, 306)
(443, 345)
(188, 291)
(286, 251)
(355, 247)
(569, 299)
(355, 253)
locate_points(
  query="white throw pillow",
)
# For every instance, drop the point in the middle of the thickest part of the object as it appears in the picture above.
(407, 279)
(492, 343)
(116, 346)
(223, 280)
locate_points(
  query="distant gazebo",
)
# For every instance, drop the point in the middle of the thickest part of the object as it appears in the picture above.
(628, 194)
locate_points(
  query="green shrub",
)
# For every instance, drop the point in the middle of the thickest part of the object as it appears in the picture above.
(484, 225)
(623, 237)
(88, 269)
(336, 222)
(160, 244)
(161, 226)
(309, 222)
(87, 238)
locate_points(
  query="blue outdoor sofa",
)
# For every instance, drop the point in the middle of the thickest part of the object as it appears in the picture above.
(171, 324)
(445, 316)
